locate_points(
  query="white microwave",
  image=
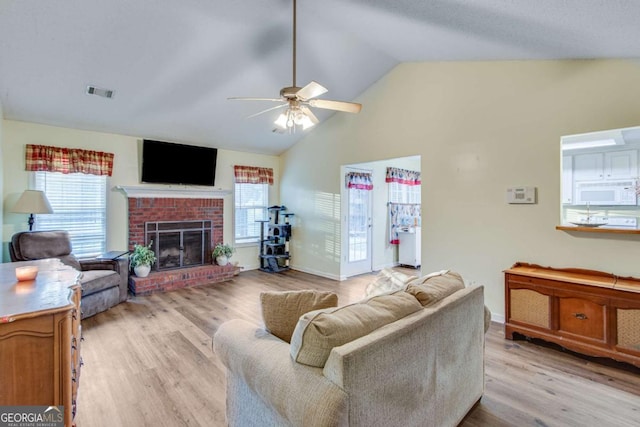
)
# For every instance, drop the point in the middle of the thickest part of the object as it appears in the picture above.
(608, 193)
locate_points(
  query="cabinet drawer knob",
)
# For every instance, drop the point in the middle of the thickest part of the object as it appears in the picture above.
(580, 316)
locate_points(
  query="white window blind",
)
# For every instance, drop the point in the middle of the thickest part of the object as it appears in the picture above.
(79, 203)
(251, 205)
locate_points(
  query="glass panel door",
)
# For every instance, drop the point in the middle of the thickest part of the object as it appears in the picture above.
(358, 225)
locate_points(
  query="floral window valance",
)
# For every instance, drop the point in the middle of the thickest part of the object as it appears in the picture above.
(403, 176)
(253, 175)
(68, 160)
(402, 215)
(359, 180)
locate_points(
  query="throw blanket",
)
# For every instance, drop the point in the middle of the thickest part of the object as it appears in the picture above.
(389, 280)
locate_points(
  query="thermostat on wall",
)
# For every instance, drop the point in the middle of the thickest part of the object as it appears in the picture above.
(521, 195)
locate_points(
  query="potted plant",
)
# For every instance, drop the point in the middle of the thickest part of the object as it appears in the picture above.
(141, 259)
(222, 252)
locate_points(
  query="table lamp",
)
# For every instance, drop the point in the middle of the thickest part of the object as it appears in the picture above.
(32, 202)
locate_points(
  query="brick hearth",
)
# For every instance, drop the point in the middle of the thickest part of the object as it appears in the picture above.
(144, 209)
(170, 280)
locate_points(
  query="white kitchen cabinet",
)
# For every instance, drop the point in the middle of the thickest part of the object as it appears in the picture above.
(621, 164)
(409, 252)
(588, 167)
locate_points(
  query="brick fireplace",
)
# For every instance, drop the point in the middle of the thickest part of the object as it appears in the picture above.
(146, 207)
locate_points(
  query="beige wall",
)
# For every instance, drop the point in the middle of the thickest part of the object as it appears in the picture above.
(1, 170)
(125, 172)
(480, 128)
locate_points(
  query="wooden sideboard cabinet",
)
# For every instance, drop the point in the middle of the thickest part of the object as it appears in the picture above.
(40, 337)
(589, 312)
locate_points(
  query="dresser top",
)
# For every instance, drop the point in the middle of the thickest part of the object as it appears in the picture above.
(579, 276)
(50, 291)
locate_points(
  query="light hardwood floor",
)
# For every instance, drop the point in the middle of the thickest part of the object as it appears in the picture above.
(149, 362)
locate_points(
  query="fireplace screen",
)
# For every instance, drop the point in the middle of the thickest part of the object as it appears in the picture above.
(179, 244)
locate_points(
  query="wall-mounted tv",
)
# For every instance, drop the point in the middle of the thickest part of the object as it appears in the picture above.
(169, 163)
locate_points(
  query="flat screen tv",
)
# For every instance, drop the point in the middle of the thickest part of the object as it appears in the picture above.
(169, 163)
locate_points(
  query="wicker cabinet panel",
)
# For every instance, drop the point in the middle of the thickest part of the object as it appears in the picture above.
(529, 306)
(628, 330)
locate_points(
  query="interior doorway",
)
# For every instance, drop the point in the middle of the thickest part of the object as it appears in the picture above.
(366, 242)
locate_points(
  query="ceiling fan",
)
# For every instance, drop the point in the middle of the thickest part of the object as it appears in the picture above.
(297, 100)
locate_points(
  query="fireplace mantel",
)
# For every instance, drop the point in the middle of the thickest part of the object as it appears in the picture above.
(172, 192)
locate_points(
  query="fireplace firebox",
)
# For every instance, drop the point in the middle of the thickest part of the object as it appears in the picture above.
(179, 244)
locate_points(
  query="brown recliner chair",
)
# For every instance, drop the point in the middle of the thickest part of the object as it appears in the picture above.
(104, 282)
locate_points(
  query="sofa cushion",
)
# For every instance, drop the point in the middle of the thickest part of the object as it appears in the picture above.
(281, 310)
(487, 319)
(319, 331)
(432, 289)
(43, 244)
(93, 281)
(98, 302)
(388, 280)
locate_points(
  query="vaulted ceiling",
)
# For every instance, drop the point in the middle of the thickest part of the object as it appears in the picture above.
(174, 63)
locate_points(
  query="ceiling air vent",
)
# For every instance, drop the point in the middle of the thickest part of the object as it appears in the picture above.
(105, 93)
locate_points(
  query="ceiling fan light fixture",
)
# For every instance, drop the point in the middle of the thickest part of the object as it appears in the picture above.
(305, 122)
(293, 118)
(282, 119)
(299, 99)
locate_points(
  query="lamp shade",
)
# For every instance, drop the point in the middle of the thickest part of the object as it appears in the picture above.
(33, 202)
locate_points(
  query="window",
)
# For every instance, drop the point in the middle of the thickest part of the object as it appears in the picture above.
(251, 205)
(403, 193)
(79, 203)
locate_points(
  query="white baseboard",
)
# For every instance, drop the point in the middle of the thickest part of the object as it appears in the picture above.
(249, 267)
(383, 266)
(318, 273)
(498, 318)
(303, 270)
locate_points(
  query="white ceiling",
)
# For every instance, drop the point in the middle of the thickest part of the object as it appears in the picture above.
(173, 63)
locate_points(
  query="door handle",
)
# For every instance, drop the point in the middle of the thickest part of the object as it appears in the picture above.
(580, 316)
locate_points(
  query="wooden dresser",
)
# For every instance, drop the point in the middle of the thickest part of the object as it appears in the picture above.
(590, 312)
(40, 337)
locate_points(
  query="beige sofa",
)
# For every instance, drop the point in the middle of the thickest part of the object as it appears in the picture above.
(425, 369)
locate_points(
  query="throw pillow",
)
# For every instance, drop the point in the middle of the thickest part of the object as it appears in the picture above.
(388, 280)
(319, 331)
(432, 289)
(281, 310)
(487, 319)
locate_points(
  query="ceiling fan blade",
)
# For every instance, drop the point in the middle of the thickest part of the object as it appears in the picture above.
(311, 90)
(240, 98)
(267, 110)
(307, 112)
(347, 107)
